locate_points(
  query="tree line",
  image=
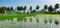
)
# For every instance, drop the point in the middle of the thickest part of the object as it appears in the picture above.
(46, 9)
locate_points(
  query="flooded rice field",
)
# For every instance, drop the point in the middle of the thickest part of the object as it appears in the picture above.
(31, 22)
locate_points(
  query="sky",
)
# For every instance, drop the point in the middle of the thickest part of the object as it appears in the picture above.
(28, 3)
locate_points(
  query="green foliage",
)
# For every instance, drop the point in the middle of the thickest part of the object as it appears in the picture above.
(34, 11)
(50, 8)
(30, 8)
(9, 8)
(20, 8)
(56, 6)
(37, 7)
(45, 7)
(25, 7)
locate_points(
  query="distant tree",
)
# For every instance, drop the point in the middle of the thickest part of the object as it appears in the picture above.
(20, 8)
(25, 8)
(37, 7)
(3, 9)
(45, 7)
(50, 9)
(33, 11)
(0, 9)
(11, 8)
(30, 9)
(42, 11)
(8, 9)
(56, 6)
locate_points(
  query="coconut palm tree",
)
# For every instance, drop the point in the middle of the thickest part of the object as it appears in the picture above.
(56, 7)
(50, 9)
(3, 9)
(34, 11)
(45, 7)
(0, 9)
(19, 8)
(25, 8)
(30, 9)
(9, 9)
(37, 7)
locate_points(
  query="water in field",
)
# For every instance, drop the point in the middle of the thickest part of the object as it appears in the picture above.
(31, 22)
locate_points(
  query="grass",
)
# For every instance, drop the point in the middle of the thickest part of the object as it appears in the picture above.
(15, 15)
(24, 15)
(48, 14)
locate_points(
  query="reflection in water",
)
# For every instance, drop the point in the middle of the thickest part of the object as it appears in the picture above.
(30, 19)
(30, 22)
(2, 19)
(45, 21)
(20, 19)
(25, 19)
(37, 20)
(50, 20)
(11, 19)
(56, 22)
(8, 19)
